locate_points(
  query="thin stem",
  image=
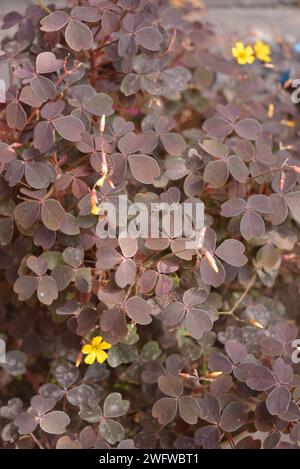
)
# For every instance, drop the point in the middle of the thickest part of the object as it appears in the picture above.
(42, 4)
(263, 174)
(171, 43)
(231, 440)
(49, 193)
(37, 441)
(78, 162)
(128, 292)
(68, 72)
(106, 45)
(241, 298)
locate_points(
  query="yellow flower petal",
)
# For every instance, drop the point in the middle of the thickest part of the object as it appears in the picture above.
(260, 46)
(105, 346)
(244, 55)
(96, 340)
(241, 60)
(95, 350)
(249, 50)
(87, 349)
(101, 356)
(262, 51)
(239, 46)
(234, 52)
(90, 358)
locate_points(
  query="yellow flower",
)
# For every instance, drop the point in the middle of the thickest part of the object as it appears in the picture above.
(95, 350)
(244, 55)
(262, 51)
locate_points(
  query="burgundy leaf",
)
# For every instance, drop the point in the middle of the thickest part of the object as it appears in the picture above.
(188, 409)
(99, 104)
(16, 117)
(219, 362)
(215, 148)
(278, 400)
(208, 436)
(248, 128)
(26, 422)
(293, 202)
(173, 314)
(46, 62)
(144, 168)
(125, 273)
(198, 322)
(283, 371)
(238, 169)
(217, 127)
(232, 252)
(53, 214)
(170, 385)
(44, 137)
(252, 225)
(55, 422)
(233, 417)
(138, 310)
(173, 143)
(149, 37)
(233, 207)
(261, 378)
(43, 88)
(236, 351)
(216, 173)
(165, 410)
(47, 290)
(69, 127)
(54, 21)
(89, 14)
(78, 35)
(25, 287)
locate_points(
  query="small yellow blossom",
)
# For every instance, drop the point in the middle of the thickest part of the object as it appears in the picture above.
(95, 350)
(262, 51)
(244, 55)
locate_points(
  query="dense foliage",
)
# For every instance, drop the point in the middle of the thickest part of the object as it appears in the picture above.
(135, 97)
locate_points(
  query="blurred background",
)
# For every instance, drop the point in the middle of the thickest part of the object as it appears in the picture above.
(267, 19)
(280, 16)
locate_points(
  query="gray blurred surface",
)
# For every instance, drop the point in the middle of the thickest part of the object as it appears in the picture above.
(284, 21)
(263, 17)
(281, 16)
(18, 5)
(250, 3)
